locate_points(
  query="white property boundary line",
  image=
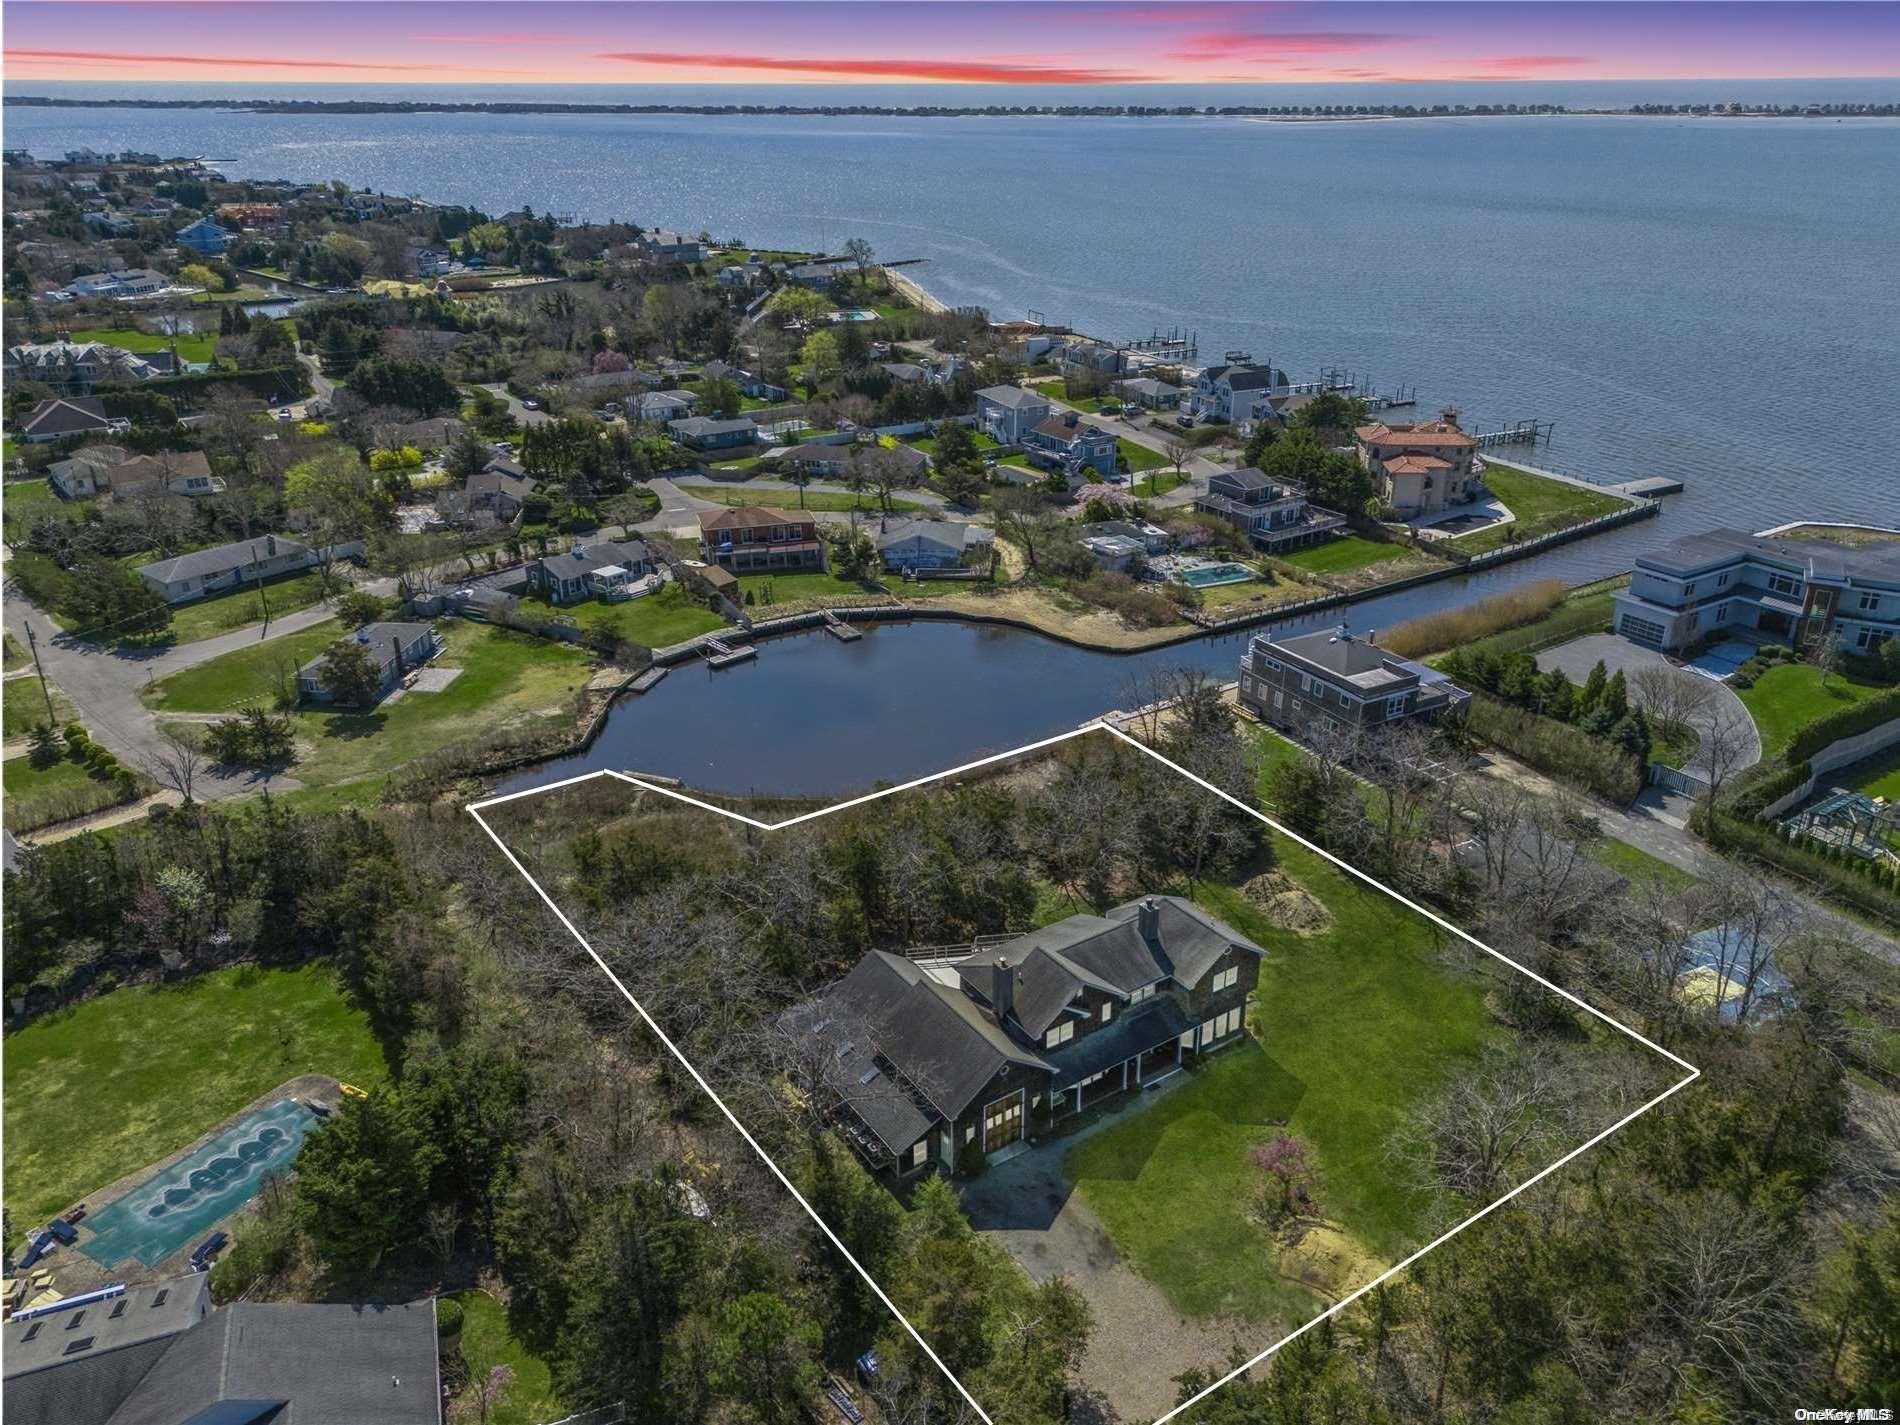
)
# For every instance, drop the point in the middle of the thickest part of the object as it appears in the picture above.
(475, 809)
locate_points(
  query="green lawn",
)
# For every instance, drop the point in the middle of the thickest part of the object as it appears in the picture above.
(928, 443)
(764, 590)
(1636, 864)
(823, 501)
(1140, 458)
(658, 620)
(1350, 551)
(1877, 776)
(506, 678)
(253, 674)
(486, 1341)
(110, 1085)
(1353, 1026)
(25, 707)
(242, 607)
(15, 655)
(1789, 696)
(1541, 506)
(60, 790)
(192, 346)
(29, 501)
(1158, 483)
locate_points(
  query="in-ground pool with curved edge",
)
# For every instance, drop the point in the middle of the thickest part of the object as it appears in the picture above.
(171, 1208)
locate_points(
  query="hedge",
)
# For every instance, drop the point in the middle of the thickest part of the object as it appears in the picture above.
(1865, 885)
(1556, 748)
(1849, 721)
(1752, 796)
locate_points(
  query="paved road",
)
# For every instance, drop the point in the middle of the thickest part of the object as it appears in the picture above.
(1580, 655)
(515, 408)
(1196, 467)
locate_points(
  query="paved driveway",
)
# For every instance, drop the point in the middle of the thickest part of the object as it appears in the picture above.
(1140, 1342)
(1580, 655)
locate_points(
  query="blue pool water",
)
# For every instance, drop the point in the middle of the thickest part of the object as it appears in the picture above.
(1211, 574)
(171, 1208)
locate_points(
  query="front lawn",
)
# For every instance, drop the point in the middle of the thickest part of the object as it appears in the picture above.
(1541, 506)
(1349, 551)
(58, 791)
(486, 1342)
(822, 501)
(110, 1085)
(27, 502)
(1635, 864)
(192, 346)
(761, 591)
(16, 656)
(1789, 696)
(254, 674)
(1158, 483)
(241, 608)
(928, 443)
(657, 620)
(1353, 1026)
(1877, 776)
(1139, 458)
(24, 707)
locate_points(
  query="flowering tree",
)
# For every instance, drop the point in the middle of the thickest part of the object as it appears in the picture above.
(1288, 1166)
(610, 360)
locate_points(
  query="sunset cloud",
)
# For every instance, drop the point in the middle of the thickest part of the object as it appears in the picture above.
(969, 71)
(1229, 45)
(86, 56)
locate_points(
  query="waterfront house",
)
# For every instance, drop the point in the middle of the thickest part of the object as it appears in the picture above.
(73, 368)
(123, 284)
(924, 1060)
(158, 1353)
(1420, 469)
(1793, 591)
(1092, 358)
(253, 217)
(63, 417)
(816, 275)
(1273, 516)
(1065, 442)
(397, 649)
(83, 472)
(750, 539)
(1151, 394)
(1117, 553)
(1240, 392)
(675, 247)
(598, 568)
(206, 238)
(1008, 413)
(245, 561)
(905, 546)
(1152, 538)
(741, 275)
(1334, 681)
(707, 433)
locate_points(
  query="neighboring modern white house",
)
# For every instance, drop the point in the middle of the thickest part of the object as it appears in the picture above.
(1793, 591)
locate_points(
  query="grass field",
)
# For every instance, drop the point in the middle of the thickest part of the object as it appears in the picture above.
(104, 1088)
(29, 501)
(231, 680)
(1353, 1026)
(928, 443)
(1877, 776)
(1140, 458)
(1347, 552)
(58, 791)
(657, 620)
(1158, 483)
(1541, 506)
(242, 607)
(1789, 696)
(1636, 864)
(25, 707)
(823, 501)
(768, 589)
(192, 346)
(15, 656)
(486, 1342)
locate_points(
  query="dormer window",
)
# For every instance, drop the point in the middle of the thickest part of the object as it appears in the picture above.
(1108, 1010)
(1145, 992)
(1059, 1035)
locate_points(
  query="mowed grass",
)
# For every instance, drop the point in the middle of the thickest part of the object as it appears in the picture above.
(657, 620)
(26, 502)
(1159, 483)
(1348, 552)
(1350, 1029)
(1789, 696)
(821, 501)
(1541, 506)
(242, 607)
(765, 590)
(116, 1083)
(229, 681)
(1635, 864)
(1877, 776)
(486, 1342)
(192, 346)
(25, 707)
(1139, 457)
(14, 655)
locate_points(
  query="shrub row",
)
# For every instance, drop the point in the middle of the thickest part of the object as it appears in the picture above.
(1849, 721)
(1556, 748)
(1511, 609)
(1867, 886)
(1753, 795)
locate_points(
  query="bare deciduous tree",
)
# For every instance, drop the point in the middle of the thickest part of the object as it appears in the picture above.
(1489, 1122)
(177, 759)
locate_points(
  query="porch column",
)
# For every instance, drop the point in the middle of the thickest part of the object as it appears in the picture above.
(1136, 1061)
(1078, 1098)
(1177, 1051)
(1124, 1076)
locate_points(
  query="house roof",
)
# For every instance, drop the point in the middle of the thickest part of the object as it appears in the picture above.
(380, 639)
(1364, 665)
(951, 534)
(1058, 427)
(1148, 386)
(586, 557)
(66, 416)
(225, 557)
(172, 465)
(1248, 477)
(1014, 397)
(98, 457)
(903, 370)
(706, 425)
(316, 1364)
(1247, 378)
(48, 1382)
(1416, 465)
(1148, 1026)
(749, 517)
(497, 481)
(1442, 433)
(1876, 562)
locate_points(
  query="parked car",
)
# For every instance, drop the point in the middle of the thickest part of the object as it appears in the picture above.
(530, 404)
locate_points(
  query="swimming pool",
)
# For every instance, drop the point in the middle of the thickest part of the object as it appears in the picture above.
(172, 1207)
(1207, 575)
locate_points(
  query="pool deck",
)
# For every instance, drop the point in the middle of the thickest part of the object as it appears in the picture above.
(73, 1271)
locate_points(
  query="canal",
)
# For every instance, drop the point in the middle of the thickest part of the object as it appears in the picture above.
(812, 716)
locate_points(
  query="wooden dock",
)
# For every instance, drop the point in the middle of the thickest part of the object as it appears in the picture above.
(1649, 488)
(723, 655)
(647, 679)
(841, 630)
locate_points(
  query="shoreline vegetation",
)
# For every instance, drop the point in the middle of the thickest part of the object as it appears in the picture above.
(1287, 113)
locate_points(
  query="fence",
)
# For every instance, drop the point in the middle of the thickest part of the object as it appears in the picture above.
(1833, 757)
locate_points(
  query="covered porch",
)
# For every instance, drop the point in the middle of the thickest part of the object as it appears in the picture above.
(1138, 1049)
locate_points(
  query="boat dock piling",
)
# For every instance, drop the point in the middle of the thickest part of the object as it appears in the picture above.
(1516, 433)
(720, 654)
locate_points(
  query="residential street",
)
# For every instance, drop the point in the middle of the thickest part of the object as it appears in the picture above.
(515, 408)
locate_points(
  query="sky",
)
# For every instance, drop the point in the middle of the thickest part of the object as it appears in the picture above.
(893, 42)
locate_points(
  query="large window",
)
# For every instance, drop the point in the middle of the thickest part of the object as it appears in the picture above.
(1227, 979)
(1059, 1034)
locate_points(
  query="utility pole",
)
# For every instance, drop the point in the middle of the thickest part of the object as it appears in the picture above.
(264, 603)
(33, 646)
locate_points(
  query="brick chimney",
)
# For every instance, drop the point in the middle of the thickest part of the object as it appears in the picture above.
(1148, 919)
(1002, 987)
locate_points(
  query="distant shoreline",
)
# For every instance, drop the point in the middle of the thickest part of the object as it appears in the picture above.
(1273, 113)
